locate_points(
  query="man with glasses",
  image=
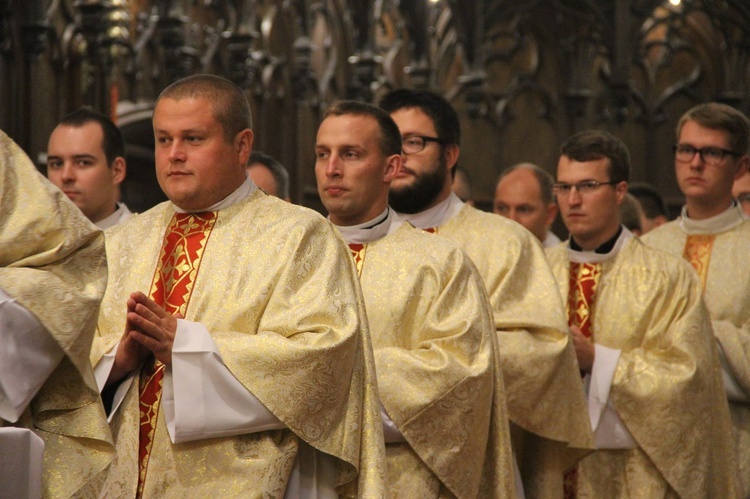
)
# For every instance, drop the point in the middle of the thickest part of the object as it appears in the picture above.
(545, 399)
(638, 324)
(714, 236)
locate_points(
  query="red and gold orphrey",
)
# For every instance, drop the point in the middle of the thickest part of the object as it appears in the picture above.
(583, 282)
(698, 252)
(358, 254)
(184, 242)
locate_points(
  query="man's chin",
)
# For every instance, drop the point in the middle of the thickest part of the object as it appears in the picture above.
(402, 183)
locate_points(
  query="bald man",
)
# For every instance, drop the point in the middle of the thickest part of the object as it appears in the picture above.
(524, 194)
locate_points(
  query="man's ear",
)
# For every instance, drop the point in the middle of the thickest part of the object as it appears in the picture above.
(621, 189)
(552, 210)
(119, 170)
(451, 151)
(743, 165)
(392, 167)
(244, 142)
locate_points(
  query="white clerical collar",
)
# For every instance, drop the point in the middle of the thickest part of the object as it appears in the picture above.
(114, 218)
(437, 215)
(728, 219)
(373, 230)
(593, 257)
(244, 190)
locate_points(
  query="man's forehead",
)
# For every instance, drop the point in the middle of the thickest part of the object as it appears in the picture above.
(694, 130)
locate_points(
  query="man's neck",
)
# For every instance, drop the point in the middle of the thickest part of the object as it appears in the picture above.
(602, 243)
(697, 210)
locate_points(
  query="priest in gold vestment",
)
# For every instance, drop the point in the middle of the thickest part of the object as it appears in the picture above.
(661, 424)
(245, 368)
(52, 277)
(714, 236)
(441, 390)
(544, 396)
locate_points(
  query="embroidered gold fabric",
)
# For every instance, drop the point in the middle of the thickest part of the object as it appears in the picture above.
(727, 293)
(542, 380)
(279, 294)
(52, 262)
(433, 338)
(667, 383)
(582, 284)
(174, 278)
(358, 254)
(698, 253)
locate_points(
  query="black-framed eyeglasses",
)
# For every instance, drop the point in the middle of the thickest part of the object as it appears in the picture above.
(583, 187)
(710, 155)
(412, 144)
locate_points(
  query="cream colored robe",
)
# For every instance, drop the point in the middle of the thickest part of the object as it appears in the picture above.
(727, 296)
(667, 383)
(278, 292)
(52, 262)
(540, 371)
(437, 376)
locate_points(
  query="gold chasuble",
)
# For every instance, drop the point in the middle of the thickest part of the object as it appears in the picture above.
(52, 262)
(666, 386)
(540, 371)
(278, 293)
(718, 249)
(437, 376)
(174, 278)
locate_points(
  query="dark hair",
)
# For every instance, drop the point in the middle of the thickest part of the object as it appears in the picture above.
(597, 144)
(390, 137)
(112, 141)
(718, 116)
(651, 201)
(630, 213)
(279, 173)
(543, 177)
(440, 111)
(230, 106)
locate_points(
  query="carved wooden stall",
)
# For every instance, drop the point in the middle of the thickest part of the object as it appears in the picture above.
(523, 75)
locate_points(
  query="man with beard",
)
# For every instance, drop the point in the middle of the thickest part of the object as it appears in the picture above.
(430, 319)
(543, 385)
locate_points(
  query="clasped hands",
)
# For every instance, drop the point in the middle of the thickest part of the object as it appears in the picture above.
(584, 348)
(149, 330)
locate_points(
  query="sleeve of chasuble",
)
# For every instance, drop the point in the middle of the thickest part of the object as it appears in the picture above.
(667, 382)
(51, 254)
(28, 357)
(540, 370)
(431, 326)
(310, 361)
